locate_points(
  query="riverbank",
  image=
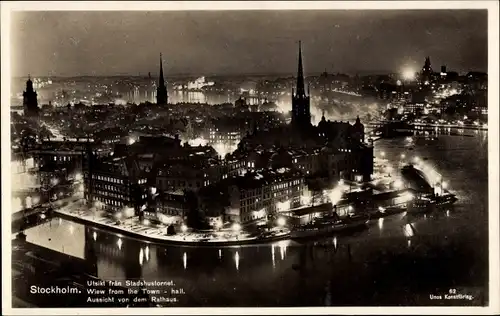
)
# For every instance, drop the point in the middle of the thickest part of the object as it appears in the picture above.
(157, 235)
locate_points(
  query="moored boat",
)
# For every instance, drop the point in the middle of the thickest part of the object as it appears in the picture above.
(321, 228)
(426, 204)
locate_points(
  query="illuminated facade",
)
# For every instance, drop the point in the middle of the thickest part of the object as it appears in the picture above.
(254, 196)
(226, 136)
(169, 208)
(188, 175)
(115, 184)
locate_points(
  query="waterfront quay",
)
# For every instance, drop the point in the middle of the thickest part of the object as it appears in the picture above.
(135, 228)
(378, 205)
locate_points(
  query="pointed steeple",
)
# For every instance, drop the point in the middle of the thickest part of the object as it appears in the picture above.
(300, 74)
(161, 81)
(161, 90)
(29, 84)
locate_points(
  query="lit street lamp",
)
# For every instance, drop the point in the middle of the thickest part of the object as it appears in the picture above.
(281, 221)
(184, 228)
(398, 184)
(236, 227)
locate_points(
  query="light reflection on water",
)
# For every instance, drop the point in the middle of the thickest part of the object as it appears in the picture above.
(281, 268)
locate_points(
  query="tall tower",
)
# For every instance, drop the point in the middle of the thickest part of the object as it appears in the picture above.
(161, 90)
(427, 65)
(426, 73)
(30, 102)
(301, 111)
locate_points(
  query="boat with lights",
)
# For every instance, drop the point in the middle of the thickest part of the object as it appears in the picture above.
(429, 203)
(327, 226)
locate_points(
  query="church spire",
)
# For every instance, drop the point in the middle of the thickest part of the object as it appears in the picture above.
(300, 74)
(161, 90)
(161, 81)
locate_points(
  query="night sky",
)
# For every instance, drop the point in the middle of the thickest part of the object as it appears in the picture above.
(245, 42)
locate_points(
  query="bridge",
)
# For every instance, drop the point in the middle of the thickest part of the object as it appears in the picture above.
(388, 129)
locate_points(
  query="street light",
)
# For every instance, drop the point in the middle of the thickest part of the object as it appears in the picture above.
(236, 227)
(281, 221)
(398, 184)
(184, 228)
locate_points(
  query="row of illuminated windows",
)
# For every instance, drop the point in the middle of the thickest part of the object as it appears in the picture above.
(285, 185)
(266, 197)
(112, 195)
(171, 211)
(62, 158)
(274, 188)
(236, 165)
(108, 179)
(110, 202)
(164, 183)
(109, 187)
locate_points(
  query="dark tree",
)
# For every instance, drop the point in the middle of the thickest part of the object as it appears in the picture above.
(171, 230)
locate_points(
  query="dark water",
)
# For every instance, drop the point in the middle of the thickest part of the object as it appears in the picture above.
(384, 265)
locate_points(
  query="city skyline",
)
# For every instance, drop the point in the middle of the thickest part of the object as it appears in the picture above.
(263, 48)
(230, 157)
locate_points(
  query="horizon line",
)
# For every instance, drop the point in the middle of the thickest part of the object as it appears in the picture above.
(146, 75)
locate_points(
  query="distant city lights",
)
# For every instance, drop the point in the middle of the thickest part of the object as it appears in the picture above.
(408, 74)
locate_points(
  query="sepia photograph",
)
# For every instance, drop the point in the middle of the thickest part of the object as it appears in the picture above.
(285, 155)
